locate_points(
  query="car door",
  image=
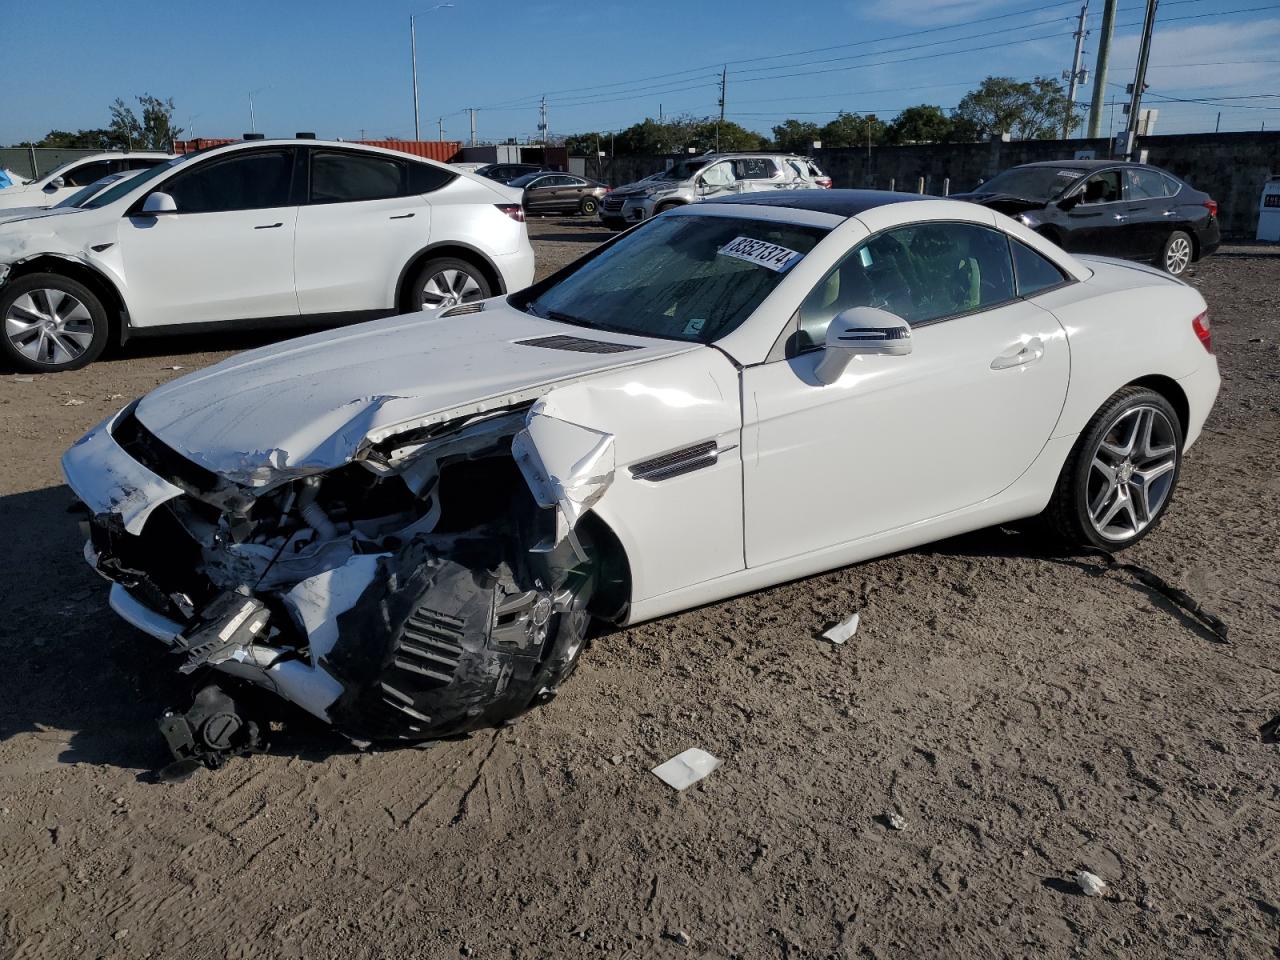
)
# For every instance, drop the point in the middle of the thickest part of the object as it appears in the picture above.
(757, 173)
(1153, 211)
(1097, 223)
(227, 251)
(571, 193)
(901, 440)
(717, 180)
(539, 194)
(361, 224)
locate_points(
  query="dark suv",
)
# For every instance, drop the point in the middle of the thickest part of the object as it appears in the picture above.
(1130, 210)
(506, 172)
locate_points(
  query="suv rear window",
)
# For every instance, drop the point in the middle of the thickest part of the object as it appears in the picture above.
(754, 168)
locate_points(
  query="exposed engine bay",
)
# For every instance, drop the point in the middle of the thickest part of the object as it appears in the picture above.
(438, 582)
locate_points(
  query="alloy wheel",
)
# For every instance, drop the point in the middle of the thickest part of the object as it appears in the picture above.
(49, 326)
(1131, 473)
(448, 288)
(1178, 256)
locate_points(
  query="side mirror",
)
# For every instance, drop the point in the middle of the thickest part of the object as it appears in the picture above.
(1067, 203)
(57, 183)
(861, 332)
(157, 203)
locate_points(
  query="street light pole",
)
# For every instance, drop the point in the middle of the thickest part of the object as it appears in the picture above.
(413, 61)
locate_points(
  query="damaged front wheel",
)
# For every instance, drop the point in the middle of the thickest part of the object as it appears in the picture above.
(456, 634)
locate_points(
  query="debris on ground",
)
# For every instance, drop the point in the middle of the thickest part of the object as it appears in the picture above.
(24, 379)
(176, 366)
(895, 820)
(73, 402)
(686, 769)
(1271, 730)
(843, 630)
(1090, 884)
(682, 938)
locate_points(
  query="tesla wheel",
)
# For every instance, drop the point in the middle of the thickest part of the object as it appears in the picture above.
(588, 207)
(1121, 474)
(1177, 253)
(51, 323)
(446, 283)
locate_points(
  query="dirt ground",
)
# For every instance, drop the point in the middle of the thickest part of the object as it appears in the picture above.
(1026, 714)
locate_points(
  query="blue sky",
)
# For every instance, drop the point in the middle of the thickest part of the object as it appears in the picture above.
(342, 69)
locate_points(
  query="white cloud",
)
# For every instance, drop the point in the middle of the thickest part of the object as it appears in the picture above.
(1197, 60)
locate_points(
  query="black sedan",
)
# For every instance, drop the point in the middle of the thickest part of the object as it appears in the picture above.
(1130, 210)
(506, 172)
(559, 193)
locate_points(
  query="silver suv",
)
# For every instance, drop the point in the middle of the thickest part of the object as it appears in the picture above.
(711, 175)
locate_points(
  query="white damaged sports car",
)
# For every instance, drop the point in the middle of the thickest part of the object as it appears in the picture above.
(405, 527)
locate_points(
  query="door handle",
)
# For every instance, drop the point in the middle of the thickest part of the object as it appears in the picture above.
(1029, 352)
(1118, 216)
(1169, 213)
(268, 226)
(400, 216)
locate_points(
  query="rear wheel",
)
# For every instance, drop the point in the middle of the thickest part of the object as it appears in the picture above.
(447, 282)
(1178, 253)
(588, 207)
(1121, 474)
(51, 323)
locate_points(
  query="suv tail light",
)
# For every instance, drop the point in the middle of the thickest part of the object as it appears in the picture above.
(513, 210)
(1201, 326)
(1212, 206)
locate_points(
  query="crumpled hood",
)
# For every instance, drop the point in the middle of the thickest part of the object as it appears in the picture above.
(17, 214)
(307, 405)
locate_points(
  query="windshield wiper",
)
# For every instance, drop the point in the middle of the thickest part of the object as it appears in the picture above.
(568, 318)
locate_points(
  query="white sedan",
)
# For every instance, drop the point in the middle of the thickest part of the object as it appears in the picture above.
(405, 527)
(262, 233)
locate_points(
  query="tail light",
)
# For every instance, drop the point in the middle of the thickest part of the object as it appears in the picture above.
(1212, 206)
(1201, 326)
(512, 210)
(825, 182)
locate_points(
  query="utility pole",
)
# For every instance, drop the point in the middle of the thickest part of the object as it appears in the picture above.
(440, 128)
(1068, 122)
(413, 59)
(1217, 123)
(542, 124)
(724, 82)
(1100, 70)
(473, 126)
(1140, 78)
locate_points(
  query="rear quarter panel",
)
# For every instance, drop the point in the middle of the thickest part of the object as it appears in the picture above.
(1124, 323)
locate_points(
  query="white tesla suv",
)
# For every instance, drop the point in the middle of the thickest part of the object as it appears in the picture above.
(58, 184)
(259, 233)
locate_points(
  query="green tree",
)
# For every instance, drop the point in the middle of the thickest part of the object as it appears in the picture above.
(1025, 110)
(796, 136)
(155, 131)
(924, 123)
(80, 140)
(851, 129)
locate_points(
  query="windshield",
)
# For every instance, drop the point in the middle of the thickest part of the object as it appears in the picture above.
(84, 193)
(115, 192)
(692, 278)
(684, 170)
(1032, 183)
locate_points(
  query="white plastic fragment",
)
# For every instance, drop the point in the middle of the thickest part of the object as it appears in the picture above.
(686, 769)
(73, 402)
(1091, 885)
(843, 630)
(896, 821)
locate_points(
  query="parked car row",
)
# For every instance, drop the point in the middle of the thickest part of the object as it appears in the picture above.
(58, 184)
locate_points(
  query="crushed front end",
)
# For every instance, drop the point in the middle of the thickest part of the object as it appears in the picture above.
(432, 583)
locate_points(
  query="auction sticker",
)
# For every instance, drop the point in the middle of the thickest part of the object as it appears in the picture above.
(761, 253)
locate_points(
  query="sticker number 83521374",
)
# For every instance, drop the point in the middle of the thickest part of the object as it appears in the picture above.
(761, 253)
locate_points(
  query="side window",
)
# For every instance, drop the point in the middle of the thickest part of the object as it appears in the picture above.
(720, 175)
(1146, 184)
(350, 177)
(135, 163)
(1034, 273)
(797, 168)
(1102, 188)
(87, 173)
(1172, 187)
(754, 168)
(245, 181)
(922, 273)
(424, 178)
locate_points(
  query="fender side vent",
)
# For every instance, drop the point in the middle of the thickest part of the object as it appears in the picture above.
(678, 462)
(577, 344)
(464, 309)
(431, 646)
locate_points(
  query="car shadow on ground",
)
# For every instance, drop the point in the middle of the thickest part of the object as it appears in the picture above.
(76, 675)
